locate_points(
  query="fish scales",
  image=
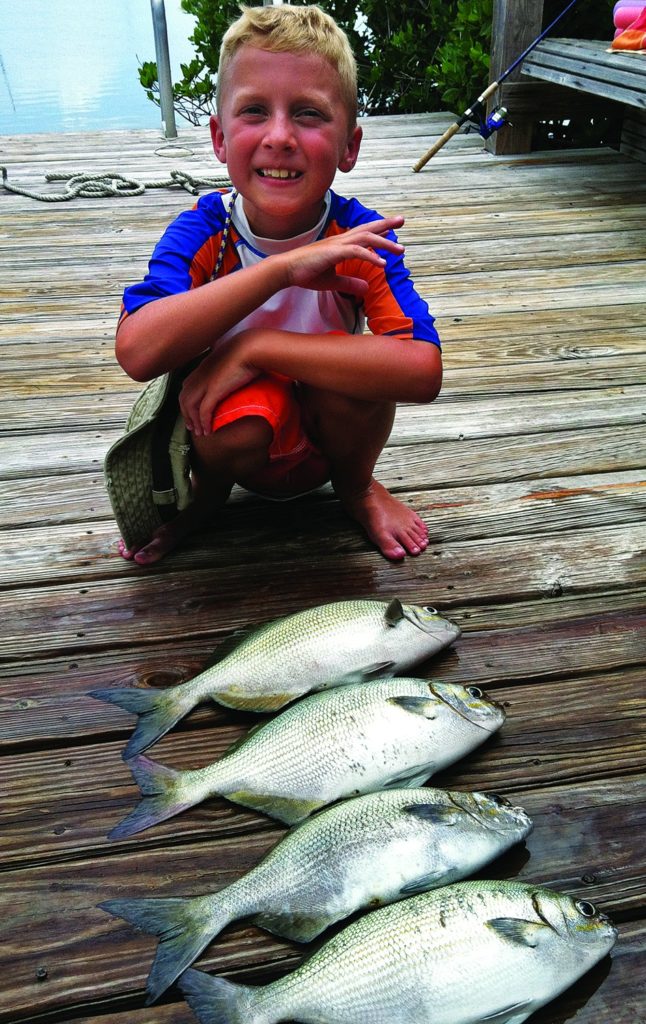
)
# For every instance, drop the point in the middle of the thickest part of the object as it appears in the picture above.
(271, 666)
(368, 851)
(464, 954)
(330, 746)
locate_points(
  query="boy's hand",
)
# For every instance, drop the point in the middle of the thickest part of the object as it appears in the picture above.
(219, 373)
(314, 265)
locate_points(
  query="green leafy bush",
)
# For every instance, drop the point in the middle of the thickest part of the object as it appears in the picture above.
(412, 55)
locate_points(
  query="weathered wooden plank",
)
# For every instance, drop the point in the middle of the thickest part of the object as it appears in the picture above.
(589, 65)
(599, 371)
(57, 910)
(126, 603)
(554, 734)
(582, 392)
(46, 701)
(442, 462)
(83, 549)
(457, 513)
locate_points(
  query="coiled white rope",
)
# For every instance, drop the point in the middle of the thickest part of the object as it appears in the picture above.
(110, 184)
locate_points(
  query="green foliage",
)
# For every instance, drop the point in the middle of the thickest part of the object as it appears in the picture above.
(412, 55)
(462, 60)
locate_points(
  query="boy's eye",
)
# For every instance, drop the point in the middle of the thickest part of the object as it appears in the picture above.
(309, 113)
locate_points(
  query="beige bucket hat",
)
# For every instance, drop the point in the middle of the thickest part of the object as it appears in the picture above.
(147, 471)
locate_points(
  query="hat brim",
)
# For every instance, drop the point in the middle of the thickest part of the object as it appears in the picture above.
(147, 471)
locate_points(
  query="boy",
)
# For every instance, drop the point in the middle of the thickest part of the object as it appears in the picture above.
(291, 393)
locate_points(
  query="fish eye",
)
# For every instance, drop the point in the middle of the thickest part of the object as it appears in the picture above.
(474, 691)
(585, 908)
(501, 801)
(431, 611)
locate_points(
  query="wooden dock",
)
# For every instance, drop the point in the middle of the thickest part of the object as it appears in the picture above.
(529, 469)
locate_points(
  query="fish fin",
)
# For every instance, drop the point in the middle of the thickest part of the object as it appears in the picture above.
(518, 931)
(515, 1014)
(240, 742)
(158, 711)
(394, 612)
(438, 814)
(424, 706)
(160, 789)
(411, 777)
(376, 670)
(297, 927)
(184, 928)
(216, 1000)
(424, 882)
(228, 646)
(287, 809)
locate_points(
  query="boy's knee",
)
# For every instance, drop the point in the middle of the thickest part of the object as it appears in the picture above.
(234, 446)
(331, 407)
(247, 434)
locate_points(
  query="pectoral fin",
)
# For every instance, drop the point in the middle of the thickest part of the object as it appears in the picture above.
(515, 1014)
(376, 670)
(410, 778)
(518, 931)
(287, 809)
(424, 706)
(297, 927)
(423, 883)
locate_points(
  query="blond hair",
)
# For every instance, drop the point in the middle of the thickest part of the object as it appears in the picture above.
(292, 29)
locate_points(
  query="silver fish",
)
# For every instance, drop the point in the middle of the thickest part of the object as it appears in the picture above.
(268, 667)
(330, 746)
(365, 852)
(471, 953)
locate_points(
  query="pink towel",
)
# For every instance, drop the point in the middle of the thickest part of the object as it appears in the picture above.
(634, 37)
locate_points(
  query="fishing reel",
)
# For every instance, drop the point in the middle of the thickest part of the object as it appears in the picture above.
(486, 125)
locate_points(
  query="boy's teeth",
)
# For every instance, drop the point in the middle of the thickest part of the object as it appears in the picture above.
(269, 173)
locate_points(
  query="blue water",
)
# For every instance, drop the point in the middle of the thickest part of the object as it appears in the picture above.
(71, 65)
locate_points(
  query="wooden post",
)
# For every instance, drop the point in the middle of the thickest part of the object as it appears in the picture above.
(516, 23)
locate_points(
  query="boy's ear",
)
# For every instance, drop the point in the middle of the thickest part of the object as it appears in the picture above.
(217, 138)
(349, 158)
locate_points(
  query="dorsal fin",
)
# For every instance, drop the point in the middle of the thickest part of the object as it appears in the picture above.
(394, 612)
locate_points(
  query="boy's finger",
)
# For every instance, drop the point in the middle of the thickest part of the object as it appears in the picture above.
(351, 285)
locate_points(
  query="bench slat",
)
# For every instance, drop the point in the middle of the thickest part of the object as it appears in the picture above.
(590, 67)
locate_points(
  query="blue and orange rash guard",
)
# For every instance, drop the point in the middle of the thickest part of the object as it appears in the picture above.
(186, 256)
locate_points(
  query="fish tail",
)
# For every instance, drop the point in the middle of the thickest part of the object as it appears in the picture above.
(158, 711)
(184, 928)
(217, 1001)
(165, 793)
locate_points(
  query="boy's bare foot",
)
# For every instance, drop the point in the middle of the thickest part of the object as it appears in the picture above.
(167, 537)
(394, 527)
(163, 540)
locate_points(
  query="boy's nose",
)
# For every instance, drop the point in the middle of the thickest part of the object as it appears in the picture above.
(279, 134)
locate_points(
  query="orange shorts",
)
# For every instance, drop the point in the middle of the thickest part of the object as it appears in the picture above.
(295, 463)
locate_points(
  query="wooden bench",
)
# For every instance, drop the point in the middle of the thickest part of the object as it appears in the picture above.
(591, 67)
(563, 77)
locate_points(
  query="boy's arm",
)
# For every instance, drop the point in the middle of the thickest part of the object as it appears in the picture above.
(172, 330)
(360, 366)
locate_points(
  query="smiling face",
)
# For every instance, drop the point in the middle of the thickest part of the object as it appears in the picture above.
(283, 130)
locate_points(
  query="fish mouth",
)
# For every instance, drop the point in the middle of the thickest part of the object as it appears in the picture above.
(430, 621)
(458, 707)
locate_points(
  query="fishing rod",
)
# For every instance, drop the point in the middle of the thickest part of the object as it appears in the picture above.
(475, 116)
